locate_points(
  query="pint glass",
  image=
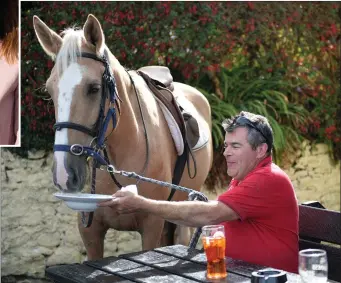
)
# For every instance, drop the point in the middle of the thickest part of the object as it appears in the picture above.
(213, 238)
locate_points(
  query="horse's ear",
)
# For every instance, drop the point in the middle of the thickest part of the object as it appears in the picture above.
(49, 40)
(94, 34)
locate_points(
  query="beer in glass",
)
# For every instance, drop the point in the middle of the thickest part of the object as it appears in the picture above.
(213, 238)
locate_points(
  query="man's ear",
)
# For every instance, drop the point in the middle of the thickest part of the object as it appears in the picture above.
(262, 150)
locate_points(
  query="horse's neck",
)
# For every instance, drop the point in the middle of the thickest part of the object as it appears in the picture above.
(127, 140)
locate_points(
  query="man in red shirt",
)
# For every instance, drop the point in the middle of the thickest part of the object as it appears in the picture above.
(259, 209)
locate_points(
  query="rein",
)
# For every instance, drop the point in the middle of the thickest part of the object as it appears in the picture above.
(192, 195)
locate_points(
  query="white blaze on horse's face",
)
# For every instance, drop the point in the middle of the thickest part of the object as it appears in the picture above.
(69, 80)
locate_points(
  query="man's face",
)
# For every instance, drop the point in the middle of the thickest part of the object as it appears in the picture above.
(240, 157)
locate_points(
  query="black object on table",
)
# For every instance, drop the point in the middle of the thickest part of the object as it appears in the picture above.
(176, 263)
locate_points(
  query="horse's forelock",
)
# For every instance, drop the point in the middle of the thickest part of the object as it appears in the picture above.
(72, 43)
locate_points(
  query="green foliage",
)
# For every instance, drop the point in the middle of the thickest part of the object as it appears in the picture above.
(244, 90)
(279, 59)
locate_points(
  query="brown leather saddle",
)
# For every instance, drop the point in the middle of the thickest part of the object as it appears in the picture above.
(160, 82)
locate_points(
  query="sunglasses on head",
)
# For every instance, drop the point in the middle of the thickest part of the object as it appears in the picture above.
(243, 121)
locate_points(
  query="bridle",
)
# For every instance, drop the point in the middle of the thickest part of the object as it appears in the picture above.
(97, 146)
(98, 143)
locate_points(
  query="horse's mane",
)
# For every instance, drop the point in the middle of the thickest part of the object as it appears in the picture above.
(72, 42)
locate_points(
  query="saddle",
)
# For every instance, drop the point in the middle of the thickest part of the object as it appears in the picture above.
(160, 82)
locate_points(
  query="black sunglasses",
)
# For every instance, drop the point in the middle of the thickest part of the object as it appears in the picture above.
(243, 121)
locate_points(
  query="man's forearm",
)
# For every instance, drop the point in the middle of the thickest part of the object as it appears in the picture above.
(194, 213)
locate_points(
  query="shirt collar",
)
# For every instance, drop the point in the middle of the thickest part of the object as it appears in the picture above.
(266, 161)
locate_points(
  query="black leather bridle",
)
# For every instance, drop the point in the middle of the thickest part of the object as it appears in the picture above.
(97, 146)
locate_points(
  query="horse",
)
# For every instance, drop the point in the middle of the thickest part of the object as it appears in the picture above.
(76, 87)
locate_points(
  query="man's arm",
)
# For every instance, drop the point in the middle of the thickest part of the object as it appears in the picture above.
(188, 213)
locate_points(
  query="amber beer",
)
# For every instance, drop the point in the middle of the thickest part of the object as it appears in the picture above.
(213, 237)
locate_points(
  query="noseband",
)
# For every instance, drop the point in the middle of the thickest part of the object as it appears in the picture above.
(109, 91)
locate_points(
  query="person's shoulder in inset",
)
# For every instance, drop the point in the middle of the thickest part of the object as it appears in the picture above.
(9, 97)
(9, 74)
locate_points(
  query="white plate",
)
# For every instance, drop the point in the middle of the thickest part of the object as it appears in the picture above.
(82, 202)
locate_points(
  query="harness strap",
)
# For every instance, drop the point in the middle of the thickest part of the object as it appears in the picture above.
(178, 171)
(93, 188)
(77, 149)
(91, 56)
(60, 125)
(118, 184)
(144, 127)
(110, 115)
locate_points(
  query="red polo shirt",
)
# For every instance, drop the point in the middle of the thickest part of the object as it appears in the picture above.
(267, 231)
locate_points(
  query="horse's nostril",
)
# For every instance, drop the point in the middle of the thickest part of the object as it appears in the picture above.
(73, 180)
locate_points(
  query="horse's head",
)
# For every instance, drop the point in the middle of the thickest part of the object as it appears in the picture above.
(80, 96)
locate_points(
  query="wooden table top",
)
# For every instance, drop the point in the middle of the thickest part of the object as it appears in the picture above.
(176, 263)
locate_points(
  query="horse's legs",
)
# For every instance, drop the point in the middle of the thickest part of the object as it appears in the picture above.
(168, 233)
(183, 235)
(151, 231)
(93, 238)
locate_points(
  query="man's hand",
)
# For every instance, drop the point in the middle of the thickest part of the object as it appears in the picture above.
(124, 202)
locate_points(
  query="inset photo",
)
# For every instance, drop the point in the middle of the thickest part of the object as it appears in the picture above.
(9, 74)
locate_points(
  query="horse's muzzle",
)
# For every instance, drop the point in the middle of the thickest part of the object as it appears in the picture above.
(70, 174)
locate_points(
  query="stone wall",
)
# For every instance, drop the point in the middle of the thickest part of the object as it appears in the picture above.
(315, 176)
(37, 230)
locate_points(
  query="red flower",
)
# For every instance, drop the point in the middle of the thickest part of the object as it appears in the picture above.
(330, 129)
(333, 29)
(193, 9)
(175, 23)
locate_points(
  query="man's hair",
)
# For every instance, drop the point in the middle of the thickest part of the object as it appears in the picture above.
(258, 127)
(9, 31)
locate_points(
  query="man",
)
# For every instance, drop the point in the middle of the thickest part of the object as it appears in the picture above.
(259, 209)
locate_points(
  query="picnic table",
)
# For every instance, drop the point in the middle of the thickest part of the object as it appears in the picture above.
(176, 263)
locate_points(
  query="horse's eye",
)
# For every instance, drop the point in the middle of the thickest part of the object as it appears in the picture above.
(94, 89)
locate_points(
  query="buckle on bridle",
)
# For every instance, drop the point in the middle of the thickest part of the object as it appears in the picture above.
(77, 149)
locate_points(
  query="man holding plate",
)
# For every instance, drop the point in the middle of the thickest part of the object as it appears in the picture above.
(259, 209)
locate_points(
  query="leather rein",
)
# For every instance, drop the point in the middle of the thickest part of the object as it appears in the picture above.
(97, 148)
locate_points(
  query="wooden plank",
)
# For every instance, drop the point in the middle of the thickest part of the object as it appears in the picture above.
(174, 265)
(138, 272)
(184, 252)
(320, 224)
(78, 273)
(235, 266)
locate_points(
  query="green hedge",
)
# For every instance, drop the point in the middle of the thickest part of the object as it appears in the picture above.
(295, 42)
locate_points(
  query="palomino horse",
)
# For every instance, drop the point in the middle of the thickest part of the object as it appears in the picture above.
(75, 85)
